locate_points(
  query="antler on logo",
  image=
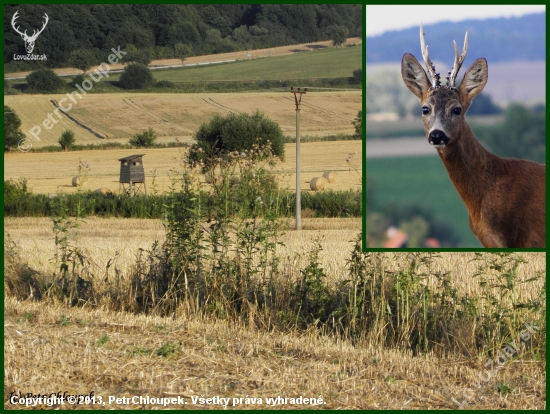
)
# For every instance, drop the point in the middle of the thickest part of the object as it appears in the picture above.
(29, 40)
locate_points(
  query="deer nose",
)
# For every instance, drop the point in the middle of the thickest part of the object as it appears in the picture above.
(437, 138)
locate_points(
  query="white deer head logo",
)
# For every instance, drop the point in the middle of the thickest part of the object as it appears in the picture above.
(29, 40)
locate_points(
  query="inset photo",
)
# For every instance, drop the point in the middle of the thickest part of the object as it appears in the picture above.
(455, 127)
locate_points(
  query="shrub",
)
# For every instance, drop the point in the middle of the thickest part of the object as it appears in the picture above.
(142, 56)
(45, 80)
(247, 134)
(358, 124)
(165, 84)
(12, 129)
(338, 34)
(77, 80)
(66, 140)
(136, 76)
(15, 189)
(145, 139)
(357, 76)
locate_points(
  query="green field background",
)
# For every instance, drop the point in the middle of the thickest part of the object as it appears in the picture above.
(326, 63)
(422, 181)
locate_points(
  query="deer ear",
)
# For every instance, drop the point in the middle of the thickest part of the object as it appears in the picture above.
(414, 76)
(474, 80)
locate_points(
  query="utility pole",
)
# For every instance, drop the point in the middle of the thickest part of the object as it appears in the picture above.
(298, 99)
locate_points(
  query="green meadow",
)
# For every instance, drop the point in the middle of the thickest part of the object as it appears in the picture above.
(325, 63)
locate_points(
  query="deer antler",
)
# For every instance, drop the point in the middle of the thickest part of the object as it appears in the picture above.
(458, 62)
(35, 32)
(429, 65)
(13, 19)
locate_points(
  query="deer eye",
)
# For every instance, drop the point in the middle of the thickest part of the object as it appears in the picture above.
(457, 110)
(425, 110)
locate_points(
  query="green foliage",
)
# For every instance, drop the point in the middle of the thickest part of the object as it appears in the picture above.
(358, 76)
(417, 231)
(82, 59)
(45, 81)
(66, 140)
(312, 293)
(521, 135)
(14, 190)
(19, 202)
(358, 124)
(182, 51)
(376, 225)
(104, 146)
(157, 28)
(142, 56)
(165, 84)
(77, 81)
(9, 90)
(12, 129)
(72, 280)
(247, 86)
(145, 139)
(484, 105)
(245, 134)
(136, 76)
(330, 203)
(338, 34)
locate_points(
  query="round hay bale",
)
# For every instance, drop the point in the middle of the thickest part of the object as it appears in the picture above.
(79, 180)
(104, 190)
(318, 183)
(330, 176)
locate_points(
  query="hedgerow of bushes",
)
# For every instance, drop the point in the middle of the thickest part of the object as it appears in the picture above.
(20, 202)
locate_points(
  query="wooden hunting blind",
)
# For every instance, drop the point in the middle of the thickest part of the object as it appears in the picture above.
(132, 175)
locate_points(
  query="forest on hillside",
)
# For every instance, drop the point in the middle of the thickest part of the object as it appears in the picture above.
(87, 32)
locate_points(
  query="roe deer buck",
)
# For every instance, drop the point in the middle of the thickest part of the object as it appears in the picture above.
(505, 197)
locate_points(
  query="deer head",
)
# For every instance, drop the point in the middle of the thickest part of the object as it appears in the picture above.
(29, 40)
(443, 107)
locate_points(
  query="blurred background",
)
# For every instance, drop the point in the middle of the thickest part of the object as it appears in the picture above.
(410, 199)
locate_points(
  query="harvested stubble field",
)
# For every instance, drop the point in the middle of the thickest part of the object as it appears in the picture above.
(51, 348)
(121, 115)
(49, 173)
(80, 350)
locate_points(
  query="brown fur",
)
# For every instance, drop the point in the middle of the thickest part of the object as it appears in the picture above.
(505, 197)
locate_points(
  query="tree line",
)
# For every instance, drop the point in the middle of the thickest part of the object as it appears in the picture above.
(83, 34)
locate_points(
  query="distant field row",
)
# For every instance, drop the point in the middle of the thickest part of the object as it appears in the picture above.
(322, 63)
(52, 172)
(241, 55)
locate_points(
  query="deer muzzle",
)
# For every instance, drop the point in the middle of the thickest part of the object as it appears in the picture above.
(438, 138)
